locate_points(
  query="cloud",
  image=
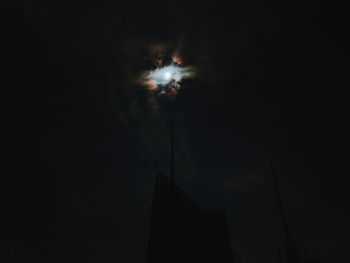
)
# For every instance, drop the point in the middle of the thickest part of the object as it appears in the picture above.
(145, 113)
(243, 183)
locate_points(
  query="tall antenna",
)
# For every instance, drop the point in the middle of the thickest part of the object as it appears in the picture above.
(172, 153)
(283, 214)
(290, 252)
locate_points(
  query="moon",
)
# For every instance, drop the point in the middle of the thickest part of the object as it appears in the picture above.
(167, 76)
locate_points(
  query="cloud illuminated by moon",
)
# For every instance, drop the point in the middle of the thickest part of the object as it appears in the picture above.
(160, 78)
(164, 75)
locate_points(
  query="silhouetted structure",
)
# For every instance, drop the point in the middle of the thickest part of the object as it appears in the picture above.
(291, 252)
(182, 231)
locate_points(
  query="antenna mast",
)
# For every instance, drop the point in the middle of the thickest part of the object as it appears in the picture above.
(290, 253)
(283, 214)
(172, 153)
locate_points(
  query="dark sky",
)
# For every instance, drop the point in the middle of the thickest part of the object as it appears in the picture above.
(82, 144)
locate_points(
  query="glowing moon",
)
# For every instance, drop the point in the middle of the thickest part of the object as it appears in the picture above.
(167, 78)
(167, 75)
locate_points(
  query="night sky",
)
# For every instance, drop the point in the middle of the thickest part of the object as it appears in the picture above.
(82, 142)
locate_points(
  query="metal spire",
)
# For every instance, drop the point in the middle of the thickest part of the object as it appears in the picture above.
(290, 253)
(172, 153)
(283, 215)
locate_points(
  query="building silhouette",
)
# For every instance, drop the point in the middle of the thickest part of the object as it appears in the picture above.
(182, 231)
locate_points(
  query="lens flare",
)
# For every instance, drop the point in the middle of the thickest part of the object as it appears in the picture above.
(177, 59)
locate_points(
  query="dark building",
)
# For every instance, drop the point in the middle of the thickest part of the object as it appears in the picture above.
(182, 231)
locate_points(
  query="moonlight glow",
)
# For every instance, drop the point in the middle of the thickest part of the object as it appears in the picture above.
(163, 76)
(167, 76)
(166, 79)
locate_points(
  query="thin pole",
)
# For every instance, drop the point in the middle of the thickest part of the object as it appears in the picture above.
(172, 153)
(283, 215)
